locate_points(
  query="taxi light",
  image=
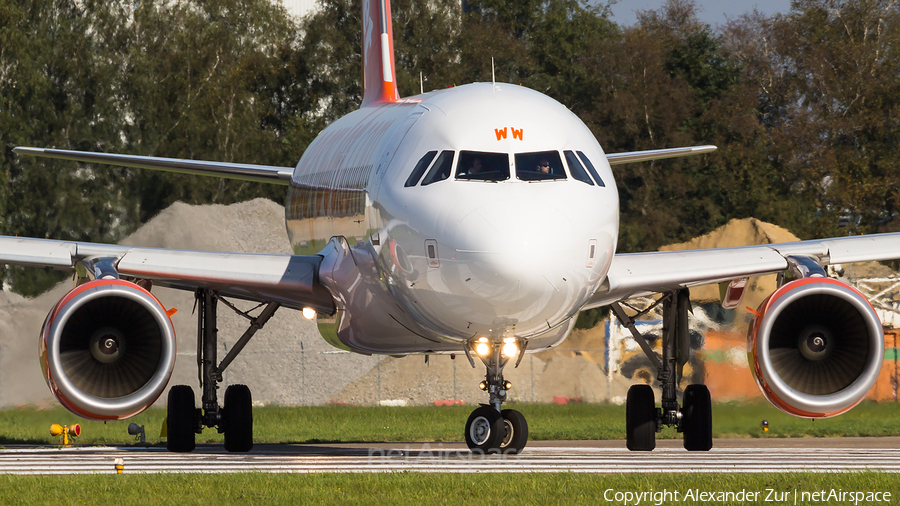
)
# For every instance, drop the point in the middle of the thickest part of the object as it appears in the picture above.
(510, 350)
(507, 385)
(483, 349)
(309, 313)
(482, 385)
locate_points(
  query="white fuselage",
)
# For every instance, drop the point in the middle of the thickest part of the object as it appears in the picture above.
(488, 246)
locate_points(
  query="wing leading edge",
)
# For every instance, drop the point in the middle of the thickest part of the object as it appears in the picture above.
(247, 172)
(656, 154)
(639, 274)
(290, 280)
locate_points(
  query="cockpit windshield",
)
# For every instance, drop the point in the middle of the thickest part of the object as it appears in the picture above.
(482, 166)
(539, 166)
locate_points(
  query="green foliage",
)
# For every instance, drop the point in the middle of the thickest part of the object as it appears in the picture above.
(589, 318)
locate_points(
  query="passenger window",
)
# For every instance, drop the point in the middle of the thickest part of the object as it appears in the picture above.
(481, 166)
(440, 170)
(540, 166)
(591, 169)
(576, 169)
(417, 172)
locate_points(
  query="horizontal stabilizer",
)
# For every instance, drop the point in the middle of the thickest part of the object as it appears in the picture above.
(657, 154)
(246, 172)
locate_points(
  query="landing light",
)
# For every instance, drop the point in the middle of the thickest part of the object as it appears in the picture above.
(309, 313)
(483, 349)
(510, 350)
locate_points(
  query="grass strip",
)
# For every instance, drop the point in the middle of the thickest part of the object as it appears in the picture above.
(328, 424)
(439, 489)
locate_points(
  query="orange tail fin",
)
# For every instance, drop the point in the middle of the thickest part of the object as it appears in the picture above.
(379, 79)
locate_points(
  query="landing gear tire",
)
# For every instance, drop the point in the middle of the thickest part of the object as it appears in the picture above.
(181, 419)
(640, 419)
(515, 434)
(238, 419)
(696, 418)
(485, 430)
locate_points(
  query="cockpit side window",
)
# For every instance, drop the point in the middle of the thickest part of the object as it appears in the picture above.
(590, 168)
(481, 166)
(417, 172)
(539, 166)
(440, 170)
(576, 169)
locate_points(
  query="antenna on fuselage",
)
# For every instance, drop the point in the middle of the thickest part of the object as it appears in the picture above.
(493, 78)
(421, 84)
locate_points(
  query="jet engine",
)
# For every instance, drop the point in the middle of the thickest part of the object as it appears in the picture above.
(816, 347)
(107, 349)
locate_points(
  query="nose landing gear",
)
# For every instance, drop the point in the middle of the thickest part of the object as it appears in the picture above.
(490, 429)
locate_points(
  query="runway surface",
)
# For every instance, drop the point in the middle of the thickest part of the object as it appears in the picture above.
(753, 455)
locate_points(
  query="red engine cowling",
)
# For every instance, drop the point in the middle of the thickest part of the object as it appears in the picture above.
(815, 347)
(107, 349)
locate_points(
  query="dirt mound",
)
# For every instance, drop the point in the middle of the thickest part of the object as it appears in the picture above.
(737, 232)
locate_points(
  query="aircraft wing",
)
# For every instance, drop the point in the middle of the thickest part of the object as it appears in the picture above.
(656, 154)
(639, 274)
(247, 172)
(291, 280)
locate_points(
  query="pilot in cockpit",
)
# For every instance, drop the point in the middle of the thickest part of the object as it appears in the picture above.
(543, 167)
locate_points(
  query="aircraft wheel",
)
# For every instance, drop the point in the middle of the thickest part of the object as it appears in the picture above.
(696, 418)
(180, 421)
(640, 419)
(484, 430)
(515, 434)
(238, 419)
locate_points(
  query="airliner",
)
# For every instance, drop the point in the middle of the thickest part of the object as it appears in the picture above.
(476, 220)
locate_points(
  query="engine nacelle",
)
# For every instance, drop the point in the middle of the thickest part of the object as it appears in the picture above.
(816, 347)
(107, 349)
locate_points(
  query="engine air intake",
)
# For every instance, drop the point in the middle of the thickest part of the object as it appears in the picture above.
(111, 347)
(816, 346)
(819, 344)
(107, 349)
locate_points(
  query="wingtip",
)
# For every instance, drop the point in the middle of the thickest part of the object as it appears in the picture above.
(23, 150)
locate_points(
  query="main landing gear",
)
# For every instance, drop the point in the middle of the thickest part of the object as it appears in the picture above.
(642, 418)
(235, 418)
(490, 429)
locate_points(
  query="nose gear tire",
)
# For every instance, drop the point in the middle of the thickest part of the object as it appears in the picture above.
(515, 434)
(485, 430)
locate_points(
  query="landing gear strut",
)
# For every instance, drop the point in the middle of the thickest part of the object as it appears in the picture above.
(489, 428)
(642, 418)
(235, 418)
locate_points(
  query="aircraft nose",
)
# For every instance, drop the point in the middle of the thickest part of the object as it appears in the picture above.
(514, 235)
(514, 255)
